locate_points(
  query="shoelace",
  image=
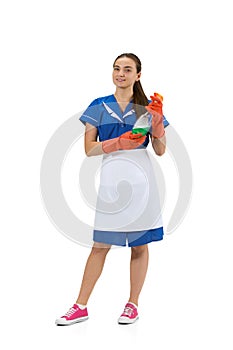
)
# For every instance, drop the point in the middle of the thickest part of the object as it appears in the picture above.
(128, 311)
(70, 312)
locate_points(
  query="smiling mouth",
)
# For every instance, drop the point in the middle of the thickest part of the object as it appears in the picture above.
(120, 80)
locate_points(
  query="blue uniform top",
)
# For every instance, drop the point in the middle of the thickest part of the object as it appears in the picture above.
(105, 114)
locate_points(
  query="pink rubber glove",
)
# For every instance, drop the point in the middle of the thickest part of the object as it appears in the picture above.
(126, 141)
(156, 109)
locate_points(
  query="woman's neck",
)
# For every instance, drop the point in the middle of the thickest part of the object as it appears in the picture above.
(123, 95)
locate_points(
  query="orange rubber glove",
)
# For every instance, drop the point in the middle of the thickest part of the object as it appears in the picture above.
(156, 109)
(126, 141)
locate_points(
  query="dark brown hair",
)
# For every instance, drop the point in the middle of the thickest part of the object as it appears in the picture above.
(139, 98)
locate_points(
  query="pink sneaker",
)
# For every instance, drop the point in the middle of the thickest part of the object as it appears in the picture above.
(73, 315)
(130, 314)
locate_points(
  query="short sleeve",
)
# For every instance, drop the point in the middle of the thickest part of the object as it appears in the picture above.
(92, 114)
(165, 122)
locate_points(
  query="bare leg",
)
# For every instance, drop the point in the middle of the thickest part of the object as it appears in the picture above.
(92, 272)
(138, 270)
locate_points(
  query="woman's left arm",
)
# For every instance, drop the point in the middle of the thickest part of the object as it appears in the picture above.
(158, 138)
(159, 144)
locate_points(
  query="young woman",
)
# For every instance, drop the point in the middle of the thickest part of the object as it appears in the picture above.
(129, 213)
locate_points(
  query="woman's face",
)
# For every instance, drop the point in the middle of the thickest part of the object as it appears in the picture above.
(125, 73)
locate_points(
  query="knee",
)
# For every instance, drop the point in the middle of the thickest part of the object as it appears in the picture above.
(137, 252)
(100, 250)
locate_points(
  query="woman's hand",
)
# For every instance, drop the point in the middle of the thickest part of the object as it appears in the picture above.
(126, 141)
(156, 109)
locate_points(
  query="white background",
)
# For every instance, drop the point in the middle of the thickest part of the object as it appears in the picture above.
(56, 57)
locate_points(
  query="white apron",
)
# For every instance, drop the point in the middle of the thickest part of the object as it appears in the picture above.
(128, 198)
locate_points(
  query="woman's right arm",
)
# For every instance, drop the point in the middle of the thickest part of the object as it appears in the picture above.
(126, 141)
(92, 146)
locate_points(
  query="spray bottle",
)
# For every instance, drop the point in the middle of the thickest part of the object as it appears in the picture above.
(143, 124)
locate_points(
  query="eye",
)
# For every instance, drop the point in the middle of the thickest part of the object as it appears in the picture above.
(115, 68)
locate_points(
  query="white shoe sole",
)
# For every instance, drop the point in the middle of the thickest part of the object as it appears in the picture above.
(63, 322)
(126, 320)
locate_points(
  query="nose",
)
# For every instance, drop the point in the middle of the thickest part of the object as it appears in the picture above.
(121, 73)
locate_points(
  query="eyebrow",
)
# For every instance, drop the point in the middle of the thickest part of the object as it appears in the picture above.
(116, 65)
